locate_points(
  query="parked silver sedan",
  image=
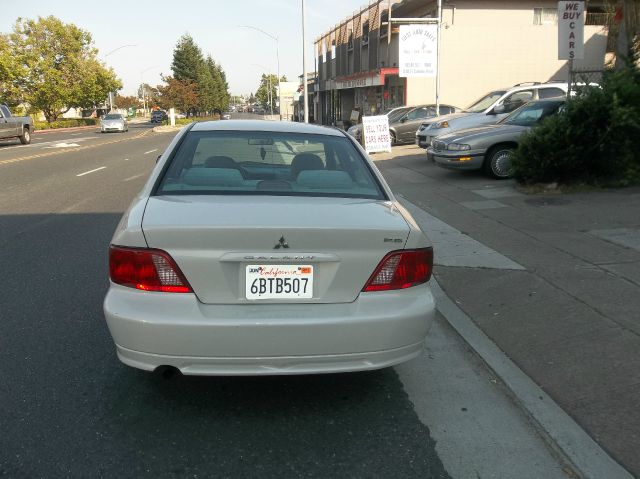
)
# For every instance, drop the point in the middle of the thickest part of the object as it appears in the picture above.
(261, 247)
(489, 147)
(113, 122)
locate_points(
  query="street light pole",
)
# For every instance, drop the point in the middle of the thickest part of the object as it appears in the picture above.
(144, 102)
(277, 60)
(304, 68)
(105, 58)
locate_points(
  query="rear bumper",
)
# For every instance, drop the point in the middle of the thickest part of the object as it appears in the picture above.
(375, 331)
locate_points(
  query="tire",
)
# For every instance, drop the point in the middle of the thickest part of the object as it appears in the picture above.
(497, 163)
(25, 138)
(394, 140)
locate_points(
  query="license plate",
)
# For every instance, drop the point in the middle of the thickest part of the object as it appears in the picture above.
(279, 281)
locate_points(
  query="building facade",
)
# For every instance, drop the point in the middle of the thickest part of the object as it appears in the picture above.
(485, 44)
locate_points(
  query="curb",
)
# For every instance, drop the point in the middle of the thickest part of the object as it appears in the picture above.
(167, 128)
(587, 458)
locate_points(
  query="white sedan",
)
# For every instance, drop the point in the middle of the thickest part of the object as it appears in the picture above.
(267, 248)
(113, 122)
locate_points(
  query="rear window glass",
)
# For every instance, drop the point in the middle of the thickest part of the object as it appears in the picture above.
(268, 163)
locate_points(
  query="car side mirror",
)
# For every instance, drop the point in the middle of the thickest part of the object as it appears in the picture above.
(499, 109)
(403, 119)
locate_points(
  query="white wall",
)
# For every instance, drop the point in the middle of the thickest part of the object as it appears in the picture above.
(488, 47)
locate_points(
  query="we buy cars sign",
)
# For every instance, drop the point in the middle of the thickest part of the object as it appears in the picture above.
(570, 30)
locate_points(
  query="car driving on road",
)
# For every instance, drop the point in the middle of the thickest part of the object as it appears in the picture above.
(19, 127)
(489, 109)
(263, 247)
(489, 147)
(113, 122)
(158, 116)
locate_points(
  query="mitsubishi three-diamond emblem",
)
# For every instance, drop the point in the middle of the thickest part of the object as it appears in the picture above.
(282, 243)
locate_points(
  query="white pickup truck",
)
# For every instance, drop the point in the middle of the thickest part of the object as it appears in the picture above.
(20, 127)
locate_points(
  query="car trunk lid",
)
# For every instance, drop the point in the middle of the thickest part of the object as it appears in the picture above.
(215, 239)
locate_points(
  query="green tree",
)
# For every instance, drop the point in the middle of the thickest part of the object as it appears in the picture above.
(262, 94)
(206, 90)
(53, 67)
(10, 70)
(187, 60)
(221, 88)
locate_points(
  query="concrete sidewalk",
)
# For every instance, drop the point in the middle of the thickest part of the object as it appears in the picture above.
(567, 311)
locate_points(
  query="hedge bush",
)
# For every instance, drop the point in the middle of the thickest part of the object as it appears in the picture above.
(594, 141)
(186, 121)
(65, 123)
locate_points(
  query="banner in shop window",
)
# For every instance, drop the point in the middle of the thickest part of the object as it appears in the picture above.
(418, 50)
(375, 132)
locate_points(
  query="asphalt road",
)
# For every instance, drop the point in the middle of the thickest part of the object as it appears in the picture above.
(68, 408)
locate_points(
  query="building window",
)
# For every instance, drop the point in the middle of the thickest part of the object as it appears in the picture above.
(365, 33)
(384, 22)
(545, 16)
(350, 41)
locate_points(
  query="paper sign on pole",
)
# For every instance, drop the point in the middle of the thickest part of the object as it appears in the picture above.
(418, 53)
(570, 30)
(375, 132)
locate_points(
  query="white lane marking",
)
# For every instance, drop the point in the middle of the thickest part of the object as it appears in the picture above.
(92, 171)
(126, 159)
(62, 145)
(453, 247)
(76, 134)
(150, 151)
(40, 143)
(133, 177)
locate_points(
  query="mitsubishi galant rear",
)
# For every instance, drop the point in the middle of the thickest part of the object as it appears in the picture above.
(267, 248)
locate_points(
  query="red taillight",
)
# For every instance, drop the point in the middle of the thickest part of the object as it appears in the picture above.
(146, 269)
(401, 269)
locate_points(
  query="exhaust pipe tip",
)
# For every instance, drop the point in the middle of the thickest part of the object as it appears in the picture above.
(167, 372)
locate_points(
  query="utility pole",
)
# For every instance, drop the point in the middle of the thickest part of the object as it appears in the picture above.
(438, 58)
(304, 67)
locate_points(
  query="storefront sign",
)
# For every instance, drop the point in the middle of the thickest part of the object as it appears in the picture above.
(358, 82)
(570, 30)
(418, 50)
(375, 132)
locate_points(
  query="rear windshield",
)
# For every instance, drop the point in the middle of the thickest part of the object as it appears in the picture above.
(268, 163)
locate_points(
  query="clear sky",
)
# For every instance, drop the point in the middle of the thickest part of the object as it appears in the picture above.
(155, 26)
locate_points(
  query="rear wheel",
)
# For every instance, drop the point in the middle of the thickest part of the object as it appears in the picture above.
(25, 138)
(498, 162)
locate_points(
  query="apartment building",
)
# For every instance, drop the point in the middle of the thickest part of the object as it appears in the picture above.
(485, 44)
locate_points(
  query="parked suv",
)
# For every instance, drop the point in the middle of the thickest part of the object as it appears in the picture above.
(491, 108)
(158, 116)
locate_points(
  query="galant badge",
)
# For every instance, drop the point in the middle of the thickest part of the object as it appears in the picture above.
(282, 243)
